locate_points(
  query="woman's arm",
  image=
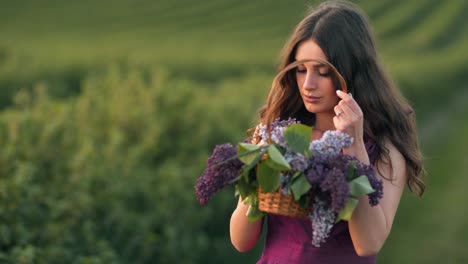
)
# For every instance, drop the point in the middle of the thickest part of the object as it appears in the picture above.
(370, 226)
(244, 235)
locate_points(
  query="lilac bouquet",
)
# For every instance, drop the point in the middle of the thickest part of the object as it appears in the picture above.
(315, 173)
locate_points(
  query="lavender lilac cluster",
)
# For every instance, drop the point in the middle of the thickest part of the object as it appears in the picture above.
(216, 175)
(377, 184)
(328, 175)
(331, 143)
(297, 161)
(277, 128)
(328, 178)
(322, 219)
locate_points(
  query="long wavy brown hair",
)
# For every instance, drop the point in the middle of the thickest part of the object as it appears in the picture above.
(343, 32)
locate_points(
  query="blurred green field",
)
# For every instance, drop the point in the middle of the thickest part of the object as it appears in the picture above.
(154, 85)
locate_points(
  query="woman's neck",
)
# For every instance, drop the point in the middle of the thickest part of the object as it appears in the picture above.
(324, 122)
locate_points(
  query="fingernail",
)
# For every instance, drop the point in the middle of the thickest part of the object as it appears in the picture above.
(338, 91)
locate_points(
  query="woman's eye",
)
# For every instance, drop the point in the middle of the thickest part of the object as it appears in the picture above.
(324, 73)
(299, 70)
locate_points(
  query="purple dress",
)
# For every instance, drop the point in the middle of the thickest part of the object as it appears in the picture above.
(289, 239)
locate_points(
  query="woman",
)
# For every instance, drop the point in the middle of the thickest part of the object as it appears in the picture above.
(373, 113)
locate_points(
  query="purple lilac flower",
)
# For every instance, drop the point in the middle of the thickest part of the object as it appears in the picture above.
(277, 129)
(216, 176)
(317, 170)
(297, 161)
(322, 219)
(337, 187)
(376, 183)
(331, 143)
(328, 175)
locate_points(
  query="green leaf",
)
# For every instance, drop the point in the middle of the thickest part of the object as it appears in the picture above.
(249, 200)
(304, 202)
(352, 171)
(297, 174)
(300, 186)
(276, 159)
(360, 186)
(268, 178)
(242, 188)
(272, 164)
(247, 167)
(254, 214)
(247, 152)
(246, 171)
(347, 211)
(298, 137)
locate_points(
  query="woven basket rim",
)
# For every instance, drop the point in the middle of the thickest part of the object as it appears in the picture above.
(282, 204)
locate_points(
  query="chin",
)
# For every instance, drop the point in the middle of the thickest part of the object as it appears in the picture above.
(312, 109)
(318, 108)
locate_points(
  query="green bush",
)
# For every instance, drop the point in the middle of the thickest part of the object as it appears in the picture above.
(107, 176)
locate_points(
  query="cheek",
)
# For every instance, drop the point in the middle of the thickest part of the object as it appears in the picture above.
(336, 101)
(330, 87)
(299, 81)
(331, 90)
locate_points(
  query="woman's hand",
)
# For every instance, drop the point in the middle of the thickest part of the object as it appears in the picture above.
(349, 117)
(350, 120)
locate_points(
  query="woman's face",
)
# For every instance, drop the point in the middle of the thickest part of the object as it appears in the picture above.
(314, 79)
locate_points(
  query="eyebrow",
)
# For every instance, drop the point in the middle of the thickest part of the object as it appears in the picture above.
(318, 65)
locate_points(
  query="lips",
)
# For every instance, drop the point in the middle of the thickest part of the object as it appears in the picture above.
(312, 99)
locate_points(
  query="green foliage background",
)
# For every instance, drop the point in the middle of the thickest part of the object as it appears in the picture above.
(109, 110)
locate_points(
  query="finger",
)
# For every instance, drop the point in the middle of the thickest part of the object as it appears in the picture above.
(338, 123)
(347, 109)
(348, 98)
(343, 95)
(338, 110)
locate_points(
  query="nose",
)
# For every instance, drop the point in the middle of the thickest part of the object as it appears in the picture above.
(310, 81)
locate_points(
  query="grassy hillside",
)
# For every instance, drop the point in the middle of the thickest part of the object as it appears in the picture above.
(226, 51)
(63, 40)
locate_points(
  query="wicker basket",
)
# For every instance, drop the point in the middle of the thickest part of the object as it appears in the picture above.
(281, 204)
